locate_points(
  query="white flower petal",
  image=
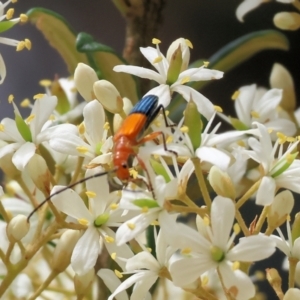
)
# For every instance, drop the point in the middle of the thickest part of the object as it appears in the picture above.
(142, 260)
(221, 226)
(266, 191)
(23, 155)
(42, 109)
(52, 132)
(200, 74)
(70, 203)
(2, 69)
(214, 156)
(142, 287)
(163, 93)
(112, 282)
(205, 107)
(281, 245)
(140, 72)
(94, 119)
(11, 132)
(245, 7)
(252, 248)
(86, 251)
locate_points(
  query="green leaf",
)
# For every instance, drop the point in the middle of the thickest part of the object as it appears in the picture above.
(6, 25)
(59, 34)
(23, 128)
(232, 55)
(103, 58)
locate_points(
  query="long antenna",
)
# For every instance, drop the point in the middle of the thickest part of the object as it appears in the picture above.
(67, 187)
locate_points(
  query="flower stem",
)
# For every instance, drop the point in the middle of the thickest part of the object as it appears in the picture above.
(44, 285)
(77, 170)
(24, 187)
(261, 220)
(241, 222)
(248, 194)
(292, 269)
(201, 182)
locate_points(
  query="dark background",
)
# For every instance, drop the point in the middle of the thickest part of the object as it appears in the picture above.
(209, 25)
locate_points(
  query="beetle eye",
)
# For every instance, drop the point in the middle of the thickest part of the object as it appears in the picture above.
(124, 165)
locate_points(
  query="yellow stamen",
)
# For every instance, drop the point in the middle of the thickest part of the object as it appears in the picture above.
(131, 226)
(186, 251)
(184, 129)
(83, 221)
(206, 221)
(235, 266)
(236, 228)
(81, 128)
(235, 95)
(118, 274)
(133, 173)
(156, 41)
(189, 43)
(218, 108)
(288, 218)
(30, 118)
(2, 127)
(270, 130)
(91, 194)
(254, 114)
(157, 59)
(45, 82)
(145, 209)
(113, 256)
(149, 249)
(10, 98)
(154, 223)
(204, 280)
(14, 1)
(169, 139)
(20, 46)
(290, 158)
(9, 13)
(281, 137)
(27, 44)
(38, 96)
(25, 103)
(52, 118)
(291, 139)
(114, 206)
(109, 239)
(241, 143)
(106, 126)
(259, 275)
(82, 149)
(205, 64)
(185, 80)
(23, 18)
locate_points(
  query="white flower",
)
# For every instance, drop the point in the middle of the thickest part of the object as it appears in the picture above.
(170, 84)
(248, 5)
(279, 169)
(6, 22)
(102, 214)
(211, 248)
(145, 269)
(289, 247)
(259, 105)
(93, 141)
(24, 136)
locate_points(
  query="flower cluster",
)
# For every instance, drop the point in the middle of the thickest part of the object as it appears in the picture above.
(111, 188)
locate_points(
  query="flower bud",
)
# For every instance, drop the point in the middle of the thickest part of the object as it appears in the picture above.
(296, 227)
(280, 208)
(39, 173)
(8, 167)
(63, 104)
(84, 77)
(118, 120)
(64, 248)
(281, 78)
(221, 183)
(17, 228)
(83, 282)
(108, 96)
(192, 120)
(292, 294)
(287, 20)
(184, 49)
